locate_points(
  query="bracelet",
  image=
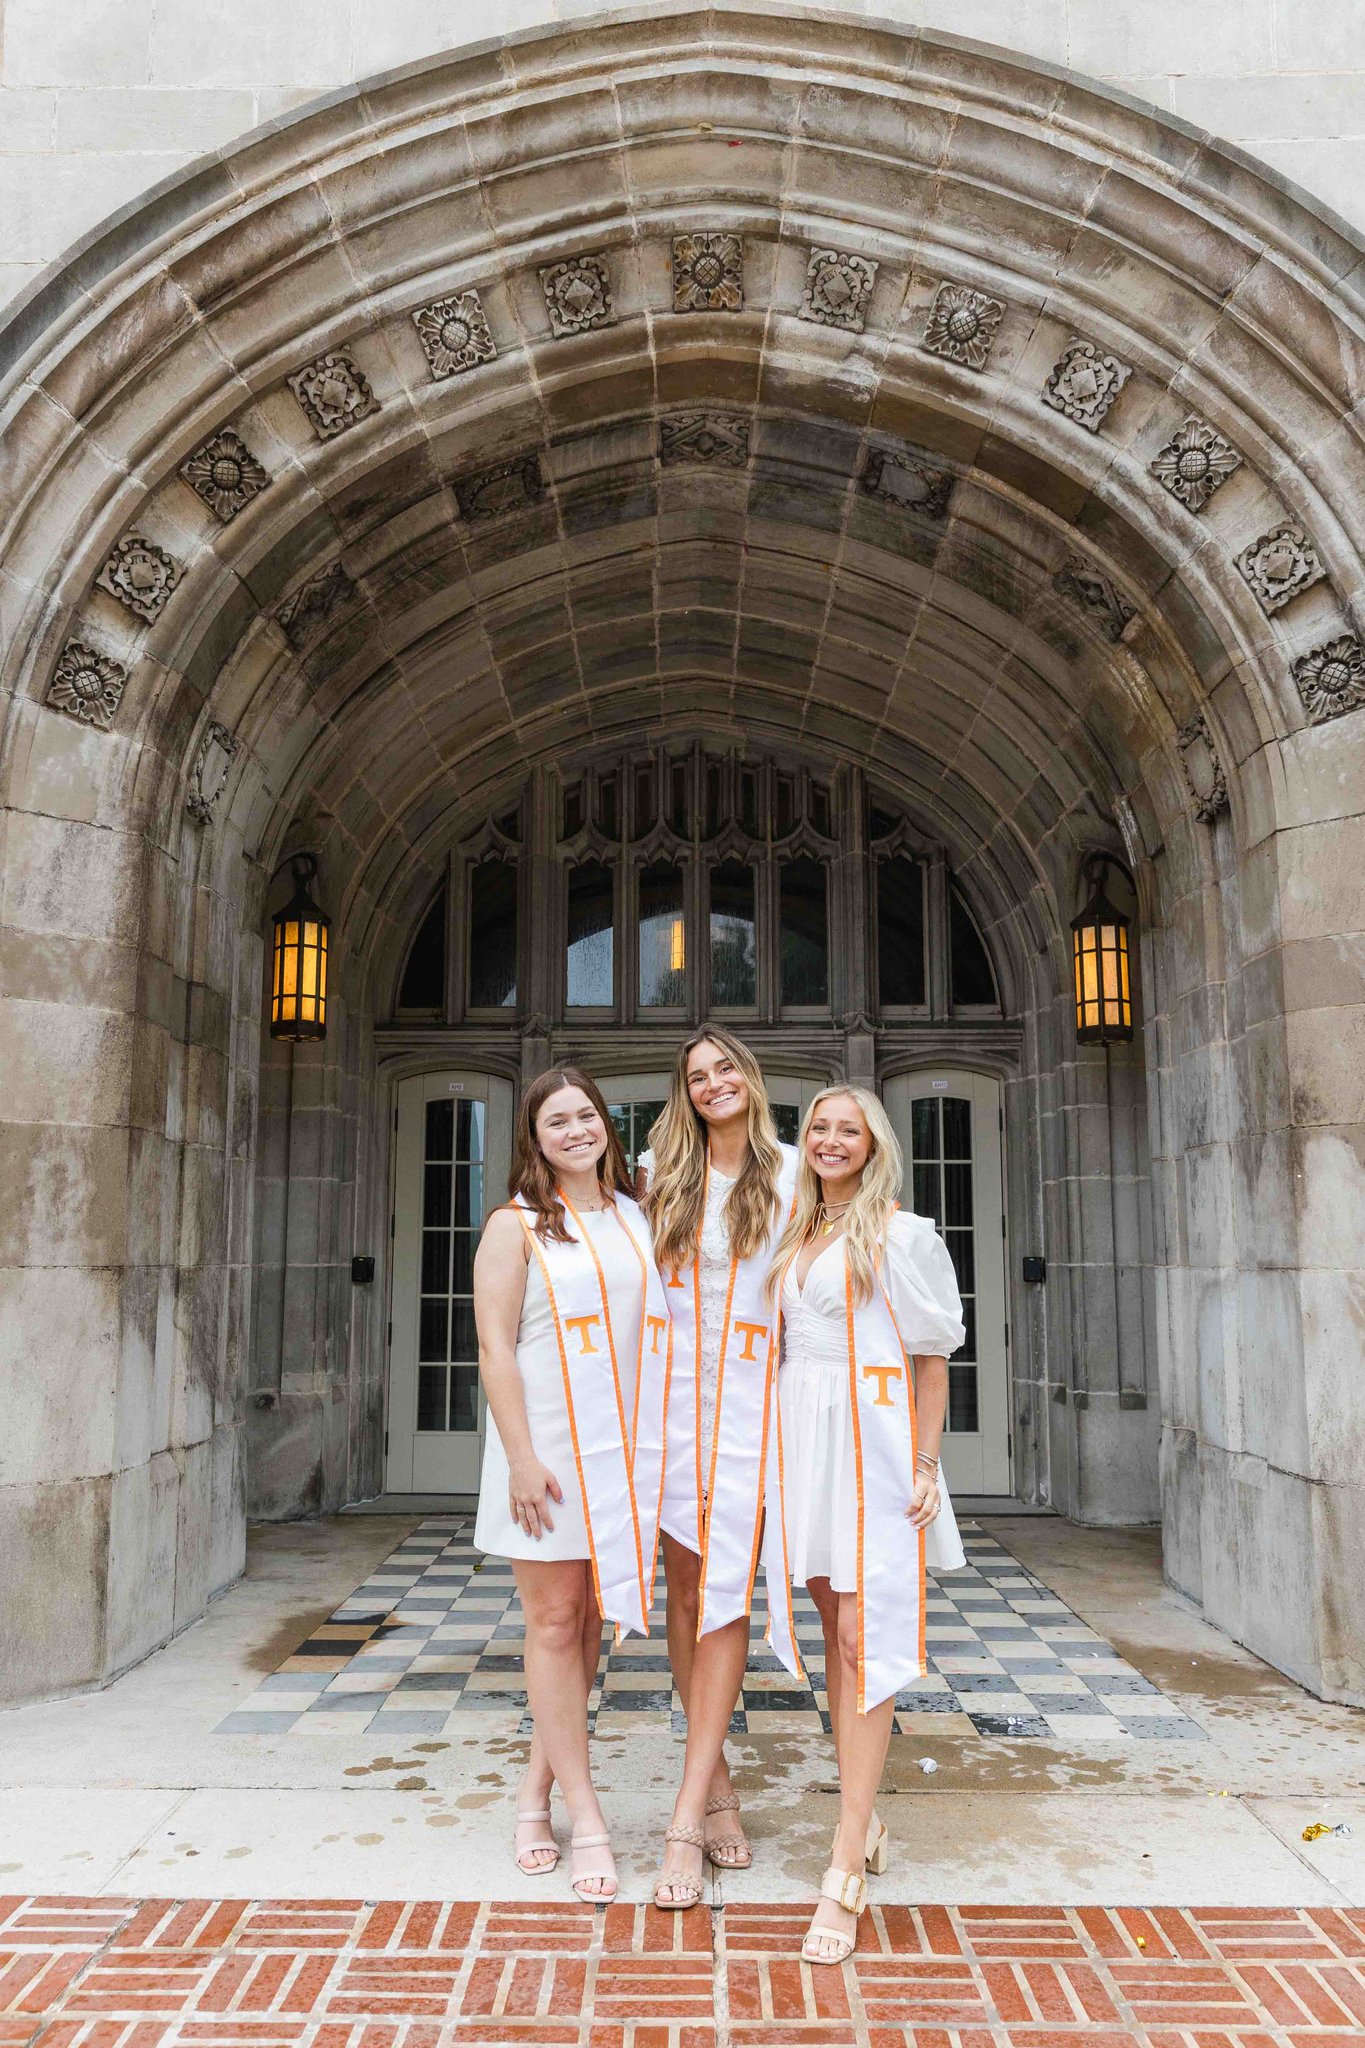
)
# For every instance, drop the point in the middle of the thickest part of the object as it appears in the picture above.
(924, 1458)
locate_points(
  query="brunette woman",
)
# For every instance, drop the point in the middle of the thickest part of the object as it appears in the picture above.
(854, 1484)
(717, 1188)
(573, 1351)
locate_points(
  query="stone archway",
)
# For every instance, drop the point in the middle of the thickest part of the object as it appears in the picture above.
(886, 392)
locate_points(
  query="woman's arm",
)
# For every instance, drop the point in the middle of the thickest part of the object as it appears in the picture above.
(499, 1290)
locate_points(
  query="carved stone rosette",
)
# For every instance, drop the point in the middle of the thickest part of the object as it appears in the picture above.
(140, 575)
(1085, 383)
(1093, 592)
(454, 333)
(1279, 565)
(488, 493)
(1331, 679)
(87, 685)
(1195, 463)
(300, 616)
(209, 771)
(962, 325)
(1203, 769)
(716, 437)
(906, 481)
(838, 287)
(225, 474)
(334, 393)
(578, 295)
(708, 273)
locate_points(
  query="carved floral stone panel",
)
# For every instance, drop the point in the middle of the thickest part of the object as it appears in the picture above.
(334, 393)
(1195, 463)
(488, 493)
(1203, 769)
(300, 616)
(1279, 565)
(140, 575)
(906, 481)
(455, 334)
(718, 437)
(87, 685)
(838, 287)
(1331, 679)
(225, 474)
(1085, 383)
(578, 294)
(209, 771)
(708, 273)
(962, 325)
(1093, 592)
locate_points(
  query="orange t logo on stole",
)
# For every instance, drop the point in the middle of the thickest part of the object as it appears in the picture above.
(657, 1326)
(583, 1324)
(882, 1373)
(750, 1332)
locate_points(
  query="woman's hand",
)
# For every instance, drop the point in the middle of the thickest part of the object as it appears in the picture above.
(924, 1504)
(530, 1486)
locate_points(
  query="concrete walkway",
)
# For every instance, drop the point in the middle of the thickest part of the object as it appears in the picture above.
(134, 1791)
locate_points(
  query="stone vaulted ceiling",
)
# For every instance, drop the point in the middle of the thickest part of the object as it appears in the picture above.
(708, 371)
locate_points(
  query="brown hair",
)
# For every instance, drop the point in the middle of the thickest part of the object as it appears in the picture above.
(677, 1189)
(531, 1176)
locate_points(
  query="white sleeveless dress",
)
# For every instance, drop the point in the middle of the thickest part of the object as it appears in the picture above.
(817, 1435)
(542, 1378)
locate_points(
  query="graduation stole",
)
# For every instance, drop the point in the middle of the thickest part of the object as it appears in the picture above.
(618, 1457)
(890, 1551)
(730, 1524)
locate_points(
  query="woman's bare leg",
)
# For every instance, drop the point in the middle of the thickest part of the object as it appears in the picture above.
(861, 1742)
(682, 1570)
(717, 1674)
(538, 1779)
(554, 1600)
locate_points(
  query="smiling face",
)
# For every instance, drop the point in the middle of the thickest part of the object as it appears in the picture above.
(838, 1143)
(570, 1132)
(717, 1088)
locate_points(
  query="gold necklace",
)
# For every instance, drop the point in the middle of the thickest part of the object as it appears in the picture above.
(831, 1217)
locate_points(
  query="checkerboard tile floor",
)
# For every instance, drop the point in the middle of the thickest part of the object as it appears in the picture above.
(335, 1973)
(432, 1642)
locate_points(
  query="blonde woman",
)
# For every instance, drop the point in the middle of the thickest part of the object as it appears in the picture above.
(854, 1489)
(573, 1351)
(717, 1188)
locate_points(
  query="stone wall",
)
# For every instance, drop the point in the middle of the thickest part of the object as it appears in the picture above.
(101, 99)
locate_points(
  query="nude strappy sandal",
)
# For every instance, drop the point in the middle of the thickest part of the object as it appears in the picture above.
(877, 1854)
(688, 1886)
(550, 1848)
(728, 1855)
(848, 1889)
(578, 1843)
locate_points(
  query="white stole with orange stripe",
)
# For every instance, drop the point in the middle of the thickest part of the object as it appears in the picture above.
(618, 1452)
(724, 1502)
(890, 1550)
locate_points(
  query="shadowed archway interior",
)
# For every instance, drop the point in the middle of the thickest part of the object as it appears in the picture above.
(800, 385)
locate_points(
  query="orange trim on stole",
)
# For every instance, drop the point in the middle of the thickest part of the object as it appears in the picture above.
(857, 1479)
(911, 1394)
(715, 1433)
(616, 1386)
(782, 1524)
(568, 1399)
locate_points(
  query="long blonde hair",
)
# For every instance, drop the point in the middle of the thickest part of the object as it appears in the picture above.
(676, 1195)
(870, 1210)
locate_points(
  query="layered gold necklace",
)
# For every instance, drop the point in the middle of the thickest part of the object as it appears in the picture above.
(827, 1219)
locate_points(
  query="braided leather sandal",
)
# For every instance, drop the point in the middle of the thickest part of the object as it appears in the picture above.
(848, 1889)
(550, 1848)
(728, 1854)
(687, 1886)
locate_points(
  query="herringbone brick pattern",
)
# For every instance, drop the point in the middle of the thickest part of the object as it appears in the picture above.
(335, 1973)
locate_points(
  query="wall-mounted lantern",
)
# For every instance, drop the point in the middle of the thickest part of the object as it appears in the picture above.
(1099, 943)
(298, 981)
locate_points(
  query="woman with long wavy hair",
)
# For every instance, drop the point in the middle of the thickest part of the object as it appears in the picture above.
(854, 1491)
(717, 1186)
(573, 1351)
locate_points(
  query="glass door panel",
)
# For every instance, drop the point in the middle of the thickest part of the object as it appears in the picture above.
(451, 1163)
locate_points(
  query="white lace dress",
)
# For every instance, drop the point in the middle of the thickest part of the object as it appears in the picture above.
(817, 1435)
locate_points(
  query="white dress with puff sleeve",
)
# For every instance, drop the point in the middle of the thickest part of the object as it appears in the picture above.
(818, 1453)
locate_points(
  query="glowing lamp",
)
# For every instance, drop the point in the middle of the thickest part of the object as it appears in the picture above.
(677, 952)
(298, 981)
(1099, 951)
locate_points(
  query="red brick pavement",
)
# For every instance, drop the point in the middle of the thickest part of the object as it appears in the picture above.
(336, 1973)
